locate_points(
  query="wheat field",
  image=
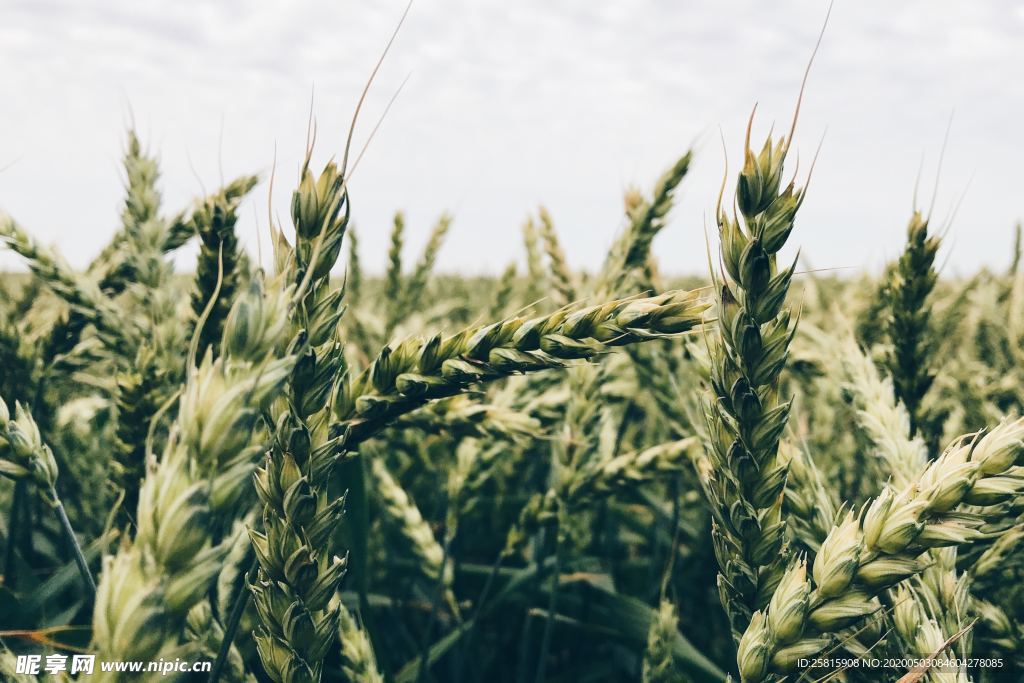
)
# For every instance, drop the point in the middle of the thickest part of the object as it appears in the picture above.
(296, 473)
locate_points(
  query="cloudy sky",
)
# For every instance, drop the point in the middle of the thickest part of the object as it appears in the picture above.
(509, 105)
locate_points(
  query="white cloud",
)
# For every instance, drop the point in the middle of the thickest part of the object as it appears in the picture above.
(510, 105)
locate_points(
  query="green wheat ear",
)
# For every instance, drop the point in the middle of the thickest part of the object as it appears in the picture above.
(745, 414)
(298, 570)
(659, 662)
(561, 277)
(910, 334)
(219, 271)
(866, 554)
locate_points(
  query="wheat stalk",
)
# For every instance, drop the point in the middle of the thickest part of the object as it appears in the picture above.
(299, 573)
(810, 505)
(360, 664)
(79, 292)
(536, 274)
(462, 417)
(659, 661)
(880, 414)
(142, 204)
(503, 293)
(577, 488)
(938, 606)
(354, 270)
(560, 275)
(401, 511)
(218, 271)
(23, 455)
(913, 280)
(414, 371)
(646, 218)
(140, 393)
(393, 277)
(148, 587)
(746, 416)
(931, 609)
(417, 282)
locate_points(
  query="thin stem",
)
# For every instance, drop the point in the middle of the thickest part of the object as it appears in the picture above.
(439, 591)
(27, 549)
(539, 547)
(237, 609)
(72, 541)
(478, 609)
(12, 527)
(545, 642)
(674, 487)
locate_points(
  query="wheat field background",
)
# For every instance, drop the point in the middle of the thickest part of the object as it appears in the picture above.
(296, 471)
